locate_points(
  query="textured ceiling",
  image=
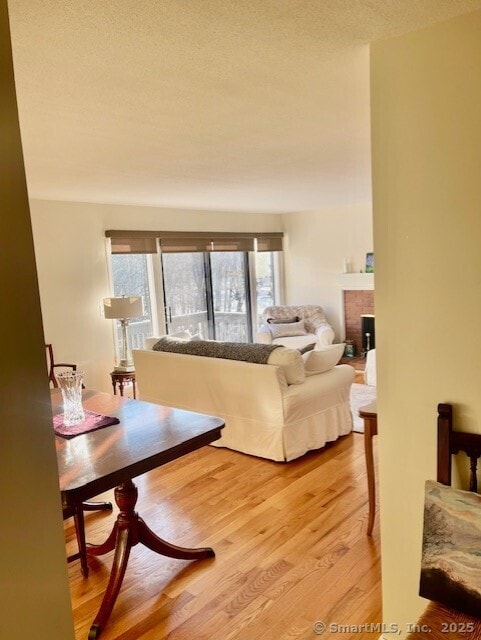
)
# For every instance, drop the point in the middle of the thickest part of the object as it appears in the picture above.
(244, 105)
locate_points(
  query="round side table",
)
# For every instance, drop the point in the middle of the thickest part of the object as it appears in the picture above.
(122, 378)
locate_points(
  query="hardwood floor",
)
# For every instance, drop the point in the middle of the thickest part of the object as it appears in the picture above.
(357, 362)
(290, 542)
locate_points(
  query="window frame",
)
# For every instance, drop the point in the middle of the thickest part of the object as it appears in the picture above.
(155, 277)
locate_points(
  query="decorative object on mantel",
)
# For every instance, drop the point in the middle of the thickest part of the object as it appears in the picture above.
(123, 309)
(369, 262)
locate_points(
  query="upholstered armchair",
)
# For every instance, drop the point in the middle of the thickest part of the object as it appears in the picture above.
(295, 327)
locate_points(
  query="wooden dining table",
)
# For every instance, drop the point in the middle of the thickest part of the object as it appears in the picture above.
(147, 436)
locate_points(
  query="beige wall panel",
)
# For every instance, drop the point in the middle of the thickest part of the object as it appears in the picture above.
(427, 236)
(34, 592)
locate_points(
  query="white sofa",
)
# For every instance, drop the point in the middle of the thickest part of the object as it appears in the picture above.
(280, 327)
(266, 415)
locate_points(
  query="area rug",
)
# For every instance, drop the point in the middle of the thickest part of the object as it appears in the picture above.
(361, 394)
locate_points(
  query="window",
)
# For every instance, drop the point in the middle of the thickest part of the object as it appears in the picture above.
(207, 294)
(266, 265)
(131, 277)
(185, 293)
(230, 294)
(216, 288)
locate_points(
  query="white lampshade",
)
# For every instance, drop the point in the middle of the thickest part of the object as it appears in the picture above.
(124, 307)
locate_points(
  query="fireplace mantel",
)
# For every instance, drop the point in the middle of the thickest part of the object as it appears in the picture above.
(357, 281)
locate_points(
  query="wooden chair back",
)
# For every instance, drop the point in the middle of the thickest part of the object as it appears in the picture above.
(52, 365)
(451, 442)
(439, 621)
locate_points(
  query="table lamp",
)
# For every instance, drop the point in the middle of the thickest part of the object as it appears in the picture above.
(122, 309)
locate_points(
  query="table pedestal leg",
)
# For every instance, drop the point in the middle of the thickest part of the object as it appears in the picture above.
(128, 531)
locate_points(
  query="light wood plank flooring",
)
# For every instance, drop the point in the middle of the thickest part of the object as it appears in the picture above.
(290, 542)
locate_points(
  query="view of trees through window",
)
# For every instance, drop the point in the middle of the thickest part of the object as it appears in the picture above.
(229, 281)
(130, 278)
(229, 292)
(265, 282)
(204, 293)
(184, 279)
(185, 292)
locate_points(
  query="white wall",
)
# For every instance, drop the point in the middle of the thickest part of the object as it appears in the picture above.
(426, 96)
(73, 270)
(317, 243)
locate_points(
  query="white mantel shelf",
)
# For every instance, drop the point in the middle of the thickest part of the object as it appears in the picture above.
(357, 281)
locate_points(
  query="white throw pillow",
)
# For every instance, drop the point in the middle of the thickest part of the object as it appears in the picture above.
(290, 360)
(149, 342)
(181, 335)
(288, 329)
(321, 360)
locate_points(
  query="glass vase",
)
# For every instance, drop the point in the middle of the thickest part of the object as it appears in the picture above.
(70, 383)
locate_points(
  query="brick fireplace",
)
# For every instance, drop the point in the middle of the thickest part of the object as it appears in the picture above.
(356, 303)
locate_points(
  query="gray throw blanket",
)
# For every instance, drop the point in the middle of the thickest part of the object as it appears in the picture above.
(256, 353)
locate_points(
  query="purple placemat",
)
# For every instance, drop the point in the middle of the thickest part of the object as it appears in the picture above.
(92, 422)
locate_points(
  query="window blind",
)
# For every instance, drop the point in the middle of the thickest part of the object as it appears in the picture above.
(190, 245)
(269, 243)
(133, 245)
(124, 241)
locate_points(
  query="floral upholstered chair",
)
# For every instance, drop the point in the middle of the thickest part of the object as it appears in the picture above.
(295, 327)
